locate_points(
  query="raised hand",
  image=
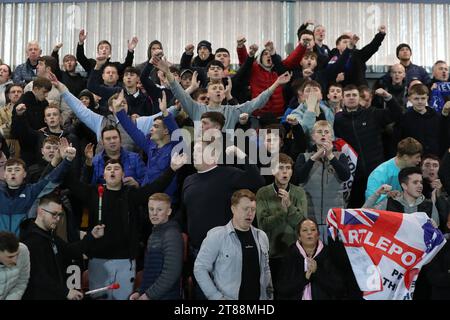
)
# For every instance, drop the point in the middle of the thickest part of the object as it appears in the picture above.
(70, 153)
(132, 44)
(157, 53)
(354, 40)
(252, 50)
(228, 88)
(382, 29)
(82, 36)
(161, 64)
(241, 41)
(57, 47)
(163, 104)
(269, 47)
(89, 151)
(117, 103)
(189, 49)
(63, 144)
(340, 77)
(178, 160)
(53, 79)
(195, 84)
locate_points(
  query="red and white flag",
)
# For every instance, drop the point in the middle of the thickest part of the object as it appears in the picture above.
(386, 249)
(352, 157)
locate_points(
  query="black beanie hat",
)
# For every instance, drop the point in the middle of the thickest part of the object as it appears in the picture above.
(402, 45)
(206, 44)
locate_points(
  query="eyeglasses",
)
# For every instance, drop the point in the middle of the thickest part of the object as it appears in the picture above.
(54, 214)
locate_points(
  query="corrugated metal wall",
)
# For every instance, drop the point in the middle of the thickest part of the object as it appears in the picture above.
(426, 27)
(176, 23)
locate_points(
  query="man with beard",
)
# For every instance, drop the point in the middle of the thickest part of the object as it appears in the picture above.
(50, 255)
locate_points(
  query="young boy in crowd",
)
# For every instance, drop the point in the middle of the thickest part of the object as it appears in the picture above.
(421, 122)
(164, 256)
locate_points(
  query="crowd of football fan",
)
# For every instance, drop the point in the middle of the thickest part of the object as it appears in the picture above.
(92, 176)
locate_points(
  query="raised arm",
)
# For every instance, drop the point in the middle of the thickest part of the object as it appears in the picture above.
(192, 108)
(371, 48)
(141, 195)
(56, 176)
(94, 83)
(81, 57)
(241, 50)
(55, 54)
(293, 60)
(138, 137)
(263, 97)
(91, 119)
(186, 58)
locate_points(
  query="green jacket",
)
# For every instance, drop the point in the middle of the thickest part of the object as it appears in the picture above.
(279, 225)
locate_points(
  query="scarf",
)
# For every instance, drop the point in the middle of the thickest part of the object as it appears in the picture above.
(307, 289)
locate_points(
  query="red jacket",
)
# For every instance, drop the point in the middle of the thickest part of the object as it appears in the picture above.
(262, 79)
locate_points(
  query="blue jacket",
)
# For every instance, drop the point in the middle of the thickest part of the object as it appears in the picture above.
(24, 73)
(158, 158)
(133, 166)
(97, 122)
(15, 209)
(163, 263)
(439, 96)
(218, 266)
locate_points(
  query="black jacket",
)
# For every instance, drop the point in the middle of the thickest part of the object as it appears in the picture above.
(89, 64)
(326, 283)
(31, 139)
(35, 110)
(362, 129)
(120, 214)
(425, 128)
(398, 92)
(49, 258)
(438, 274)
(353, 62)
